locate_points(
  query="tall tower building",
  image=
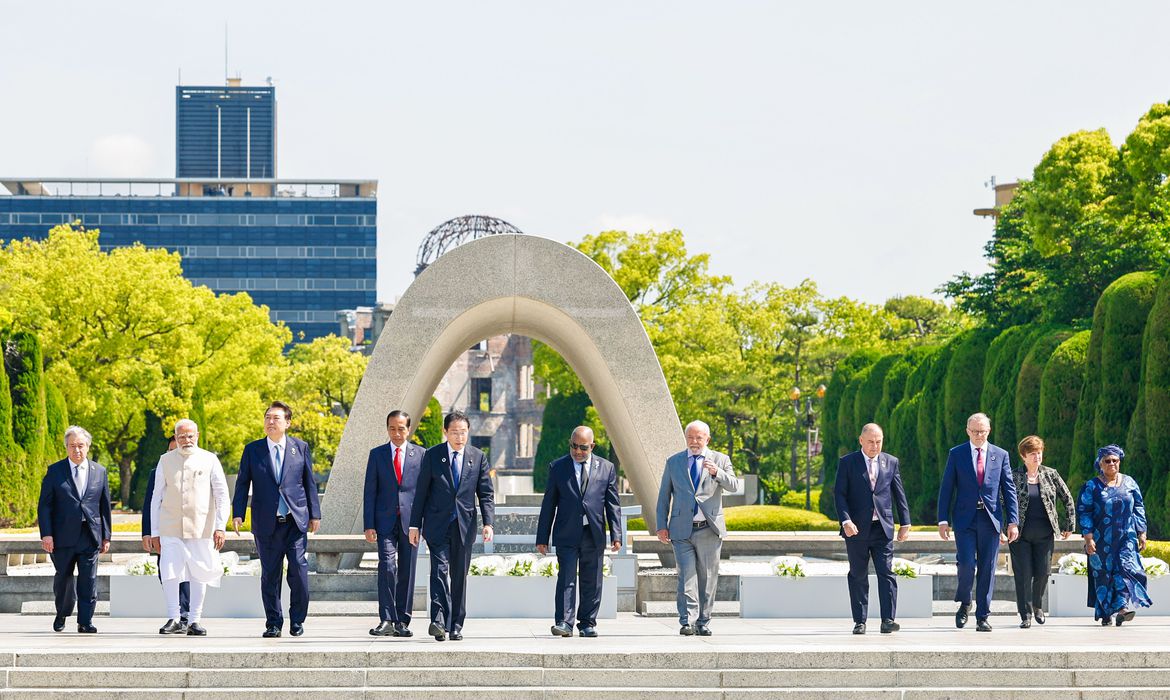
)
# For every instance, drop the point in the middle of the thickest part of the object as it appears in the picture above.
(225, 132)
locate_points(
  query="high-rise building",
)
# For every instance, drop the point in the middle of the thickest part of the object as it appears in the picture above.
(225, 131)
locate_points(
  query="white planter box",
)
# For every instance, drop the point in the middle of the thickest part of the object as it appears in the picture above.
(827, 597)
(526, 596)
(142, 596)
(1068, 596)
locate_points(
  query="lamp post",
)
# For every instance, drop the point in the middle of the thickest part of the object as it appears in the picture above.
(810, 418)
(794, 395)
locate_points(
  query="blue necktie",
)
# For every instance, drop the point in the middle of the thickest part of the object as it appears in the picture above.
(695, 480)
(282, 507)
(455, 469)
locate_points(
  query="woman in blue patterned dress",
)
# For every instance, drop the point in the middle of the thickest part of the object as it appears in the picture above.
(1112, 520)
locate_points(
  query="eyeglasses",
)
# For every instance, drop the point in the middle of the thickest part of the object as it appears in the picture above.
(580, 448)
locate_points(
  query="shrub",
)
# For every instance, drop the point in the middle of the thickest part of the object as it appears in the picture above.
(963, 387)
(562, 413)
(1027, 398)
(1060, 390)
(869, 395)
(831, 440)
(766, 519)
(1155, 402)
(932, 450)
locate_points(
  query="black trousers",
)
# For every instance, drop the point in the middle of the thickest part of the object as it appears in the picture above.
(587, 561)
(82, 558)
(396, 560)
(450, 562)
(880, 549)
(287, 544)
(1031, 562)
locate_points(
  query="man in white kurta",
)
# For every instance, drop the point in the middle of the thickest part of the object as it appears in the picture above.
(191, 501)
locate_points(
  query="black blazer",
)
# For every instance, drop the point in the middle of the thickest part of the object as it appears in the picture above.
(62, 512)
(435, 499)
(387, 506)
(1052, 487)
(855, 498)
(564, 504)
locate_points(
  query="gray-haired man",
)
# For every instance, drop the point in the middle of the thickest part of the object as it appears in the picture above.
(690, 517)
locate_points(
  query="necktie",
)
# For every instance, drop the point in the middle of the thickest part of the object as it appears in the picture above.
(979, 465)
(584, 476)
(398, 463)
(79, 478)
(695, 480)
(873, 467)
(282, 506)
(455, 469)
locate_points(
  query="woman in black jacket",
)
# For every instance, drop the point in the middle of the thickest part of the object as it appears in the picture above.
(1038, 488)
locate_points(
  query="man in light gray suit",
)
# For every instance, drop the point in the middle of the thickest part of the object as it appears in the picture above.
(690, 517)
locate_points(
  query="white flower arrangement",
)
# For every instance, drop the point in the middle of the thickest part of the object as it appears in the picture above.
(1073, 564)
(606, 567)
(904, 568)
(789, 567)
(144, 567)
(1155, 567)
(547, 567)
(520, 565)
(488, 565)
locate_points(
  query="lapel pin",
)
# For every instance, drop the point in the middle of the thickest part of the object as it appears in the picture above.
(292, 450)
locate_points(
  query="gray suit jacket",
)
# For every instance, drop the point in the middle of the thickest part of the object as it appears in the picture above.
(677, 495)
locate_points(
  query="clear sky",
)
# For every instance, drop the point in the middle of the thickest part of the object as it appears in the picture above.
(846, 142)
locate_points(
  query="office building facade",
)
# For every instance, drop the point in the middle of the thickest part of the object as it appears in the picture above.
(305, 249)
(225, 131)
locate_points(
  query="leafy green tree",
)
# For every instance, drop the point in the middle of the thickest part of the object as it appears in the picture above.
(1028, 383)
(562, 414)
(1147, 431)
(152, 445)
(22, 362)
(56, 421)
(929, 427)
(17, 483)
(323, 378)
(430, 425)
(963, 385)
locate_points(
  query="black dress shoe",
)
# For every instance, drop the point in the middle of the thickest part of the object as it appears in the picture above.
(859, 628)
(1124, 616)
(401, 630)
(889, 627)
(982, 625)
(196, 630)
(384, 629)
(296, 629)
(589, 632)
(172, 627)
(456, 636)
(271, 631)
(90, 629)
(961, 616)
(436, 630)
(58, 623)
(1038, 614)
(1106, 621)
(703, 630)
(687, 631)
(1025, 622)
(561, 630)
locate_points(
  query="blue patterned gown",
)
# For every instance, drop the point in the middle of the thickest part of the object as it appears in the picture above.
(1114, 517)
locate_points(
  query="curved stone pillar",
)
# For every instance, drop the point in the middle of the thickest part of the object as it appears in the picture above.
(511, 284)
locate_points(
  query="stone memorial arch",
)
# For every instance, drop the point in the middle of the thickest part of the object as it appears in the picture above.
(512, 283)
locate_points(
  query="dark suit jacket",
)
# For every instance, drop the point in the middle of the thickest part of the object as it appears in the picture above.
(960, 492)
(563, 504)
(435, 498)
(855, 498)
(1052, 487)
(62, 512)
(387, 505)
(147, 503)
(297, 485)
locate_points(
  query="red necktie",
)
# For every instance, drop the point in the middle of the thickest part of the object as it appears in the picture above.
(398, 465)
(979, 465)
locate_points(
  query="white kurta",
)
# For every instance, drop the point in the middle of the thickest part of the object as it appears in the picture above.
(191, 559)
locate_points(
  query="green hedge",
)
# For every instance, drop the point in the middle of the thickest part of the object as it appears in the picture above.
(23, 364)
(932, 449)
(1113, 367)
(152, 445)
(56, 421)
(1000, 370)
(1061, 388)
(832, 441)
(1027, 399)
(1155, 404)
(562, 413)
(963, 387)
(766, 518)
(869, 393)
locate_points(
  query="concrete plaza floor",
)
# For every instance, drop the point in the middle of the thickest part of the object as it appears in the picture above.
(629, 633)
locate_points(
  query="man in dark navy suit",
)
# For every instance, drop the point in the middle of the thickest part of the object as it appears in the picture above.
(184, 586)
(976, 486)
(285, 507)
(580, 498)
(391, 474)
(868, 490)
(452, 477)
(75, 522)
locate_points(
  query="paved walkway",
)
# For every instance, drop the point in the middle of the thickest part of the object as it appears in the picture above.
(627, 634)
